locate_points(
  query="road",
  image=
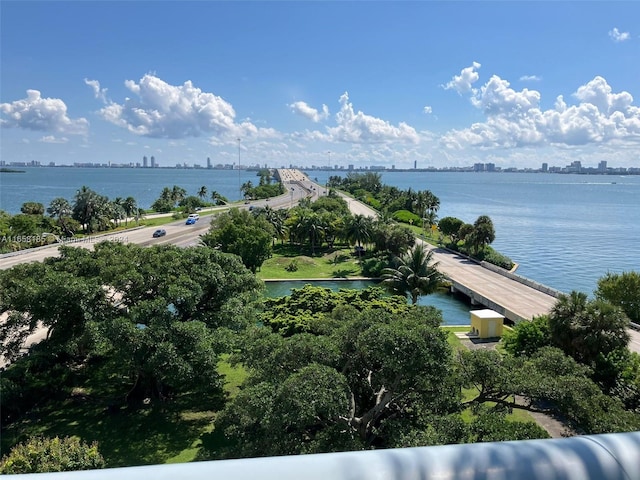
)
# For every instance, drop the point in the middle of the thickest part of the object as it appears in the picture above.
(177, 232)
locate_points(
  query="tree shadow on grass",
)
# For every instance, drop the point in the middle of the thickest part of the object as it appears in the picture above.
(343, 273)
(150, 434)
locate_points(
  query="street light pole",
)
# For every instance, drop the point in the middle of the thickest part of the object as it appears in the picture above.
(327, 185)
(239, 180)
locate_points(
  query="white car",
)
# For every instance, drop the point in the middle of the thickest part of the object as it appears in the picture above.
(195, 216)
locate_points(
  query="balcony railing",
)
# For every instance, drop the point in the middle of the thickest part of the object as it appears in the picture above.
(598, 457)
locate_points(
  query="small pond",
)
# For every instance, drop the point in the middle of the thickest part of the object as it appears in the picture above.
(454, 311)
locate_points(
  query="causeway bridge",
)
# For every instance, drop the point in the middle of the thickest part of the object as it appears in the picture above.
(515, 297)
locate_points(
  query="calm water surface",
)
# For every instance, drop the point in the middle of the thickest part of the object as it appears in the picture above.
(454, 312)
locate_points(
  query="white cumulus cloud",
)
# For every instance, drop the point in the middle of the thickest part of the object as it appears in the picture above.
(99, 93)
(302, 108)
(41, 114)
(515, 119)
(53, 139)
(463, 83)
(618, 36)
(358, 127)
(161, 110)
(530, 78)
(427, 109)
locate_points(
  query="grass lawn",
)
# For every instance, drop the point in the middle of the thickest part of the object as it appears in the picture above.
(336, 263)
(454, 341)
(169, 432)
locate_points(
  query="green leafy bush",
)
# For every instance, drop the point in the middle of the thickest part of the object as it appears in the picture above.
(292, 267)
(491, 256)
(405, 216)
(41, 454)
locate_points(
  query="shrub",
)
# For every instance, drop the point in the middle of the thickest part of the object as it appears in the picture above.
(405, 216)
(372, 267)
(495, 258)
(292, 267)
(41, 454)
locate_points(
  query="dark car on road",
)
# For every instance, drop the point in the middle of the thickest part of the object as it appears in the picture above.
(161, 232)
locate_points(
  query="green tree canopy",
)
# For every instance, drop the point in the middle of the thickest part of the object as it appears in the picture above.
(622, 290)
(147, 315)
(342, 389)
(243, 234)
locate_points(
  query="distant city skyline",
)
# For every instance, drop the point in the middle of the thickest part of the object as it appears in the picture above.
(575, 167)
(369, 84)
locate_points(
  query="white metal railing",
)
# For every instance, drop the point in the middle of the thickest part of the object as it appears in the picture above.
(598, 457)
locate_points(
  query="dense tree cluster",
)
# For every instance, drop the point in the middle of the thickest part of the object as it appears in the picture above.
(368, 188)
(473, 239)
(592, 332)
(243, 234)
(89, 212)
(326, 371)
(153, 318)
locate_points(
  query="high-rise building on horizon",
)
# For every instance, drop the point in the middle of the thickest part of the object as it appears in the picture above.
(153, 161)
(145, 163)
(209, 163)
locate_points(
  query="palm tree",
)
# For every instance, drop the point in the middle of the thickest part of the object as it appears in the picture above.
(483, 233)
(358, 230)
(202, 193)
(178, 194)
(315, 229)
(276, 218)
(61, 209)
(246, 188)
(415, 274)
(130, 208)
(218, 198)
(116, 210)
(87, 207)
(564, 317)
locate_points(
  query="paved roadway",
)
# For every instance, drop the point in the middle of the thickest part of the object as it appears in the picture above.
(178, 233)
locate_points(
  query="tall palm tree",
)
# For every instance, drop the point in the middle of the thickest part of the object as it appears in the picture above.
(315, 229)
(130, 208)
(415, 274)
(202, 193)
(276, 218)
(218, 198)
(60, 208)
(116, 210)
(483, 233)
(246, 188)
(178, 194)
(358, 229)
(87, 207)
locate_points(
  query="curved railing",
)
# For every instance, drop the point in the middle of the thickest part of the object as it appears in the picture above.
(598, 457)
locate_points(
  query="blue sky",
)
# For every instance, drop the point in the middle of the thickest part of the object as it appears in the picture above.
(374, 83)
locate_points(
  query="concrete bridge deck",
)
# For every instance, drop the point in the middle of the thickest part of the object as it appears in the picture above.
(506, 295)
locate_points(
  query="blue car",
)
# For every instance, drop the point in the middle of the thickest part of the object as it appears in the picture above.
(191, 221)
